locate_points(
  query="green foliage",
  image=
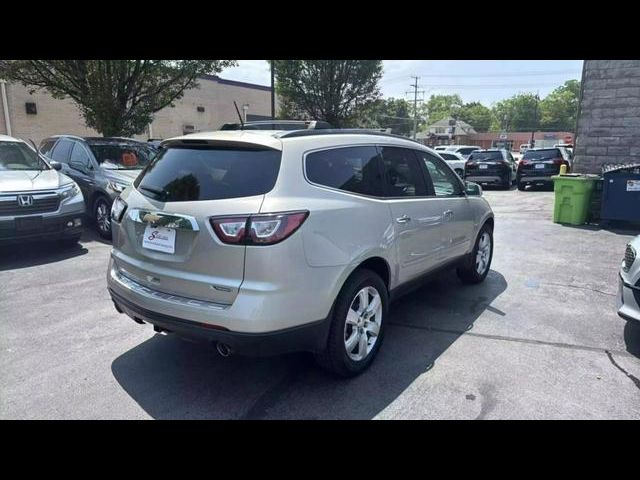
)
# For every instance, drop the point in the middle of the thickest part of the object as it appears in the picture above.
(115, 97)
(560, 107)
(441, 106)
(518, 113)
(332, 90)
(476, 115)
(393, 113)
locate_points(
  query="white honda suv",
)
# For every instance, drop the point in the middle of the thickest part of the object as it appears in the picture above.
(267, 242)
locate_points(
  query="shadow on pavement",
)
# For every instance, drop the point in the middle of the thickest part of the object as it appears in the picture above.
(174, 379)
(30, 254)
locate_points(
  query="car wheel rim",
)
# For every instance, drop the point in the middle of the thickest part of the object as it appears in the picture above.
(483, 254)
(362, 327)
(102, 217)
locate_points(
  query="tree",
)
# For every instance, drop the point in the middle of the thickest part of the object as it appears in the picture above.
(518, 113)
(393, 113)
(331, 90)
(441, 106)
(476, 115)
(115, 97)
(560, 107)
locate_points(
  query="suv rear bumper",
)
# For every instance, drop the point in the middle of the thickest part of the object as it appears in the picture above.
(311, 337)
(536, 179)
(497, 179)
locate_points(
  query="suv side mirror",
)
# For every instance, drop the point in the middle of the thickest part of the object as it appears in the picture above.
(472, 189)
(55, 165)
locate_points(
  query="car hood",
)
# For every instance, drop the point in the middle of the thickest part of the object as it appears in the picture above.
(27, 180)
(122, 176)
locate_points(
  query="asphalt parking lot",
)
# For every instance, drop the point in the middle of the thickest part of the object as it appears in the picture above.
(540, 339)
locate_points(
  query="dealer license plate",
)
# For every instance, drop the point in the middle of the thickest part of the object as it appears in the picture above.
(161, 239)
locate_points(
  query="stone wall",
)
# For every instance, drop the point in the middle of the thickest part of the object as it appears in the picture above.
(608, 129)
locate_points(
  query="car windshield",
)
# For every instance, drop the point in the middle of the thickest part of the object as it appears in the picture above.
(122, 156)
(485, 156)
(18, 156)
(542, 154)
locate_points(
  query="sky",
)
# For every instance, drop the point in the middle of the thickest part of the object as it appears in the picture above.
(485, 81)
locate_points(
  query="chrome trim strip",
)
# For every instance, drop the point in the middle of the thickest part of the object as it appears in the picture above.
(161, 219)
(134, 286)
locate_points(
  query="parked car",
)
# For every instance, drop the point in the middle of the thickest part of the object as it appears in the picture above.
(277, 125)
(538, 165)
(455, 161)
(491, 167)
(464, 150)
(629, 283)
(524, 147)
(103, 167)
(272, 242)
(36, 201)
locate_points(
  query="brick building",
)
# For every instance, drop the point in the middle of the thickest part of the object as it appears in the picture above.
(200, 109)
(608, 127)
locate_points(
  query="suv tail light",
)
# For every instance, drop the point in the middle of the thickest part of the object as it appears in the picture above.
(258, 229)
(560, 161)
(470, 163)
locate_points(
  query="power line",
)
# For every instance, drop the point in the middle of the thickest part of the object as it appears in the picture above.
(490, 75)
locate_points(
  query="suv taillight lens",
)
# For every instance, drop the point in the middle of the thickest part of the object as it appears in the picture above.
(258, 229)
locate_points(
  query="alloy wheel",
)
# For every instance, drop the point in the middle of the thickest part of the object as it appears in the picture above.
(362, 326)
(484, 253)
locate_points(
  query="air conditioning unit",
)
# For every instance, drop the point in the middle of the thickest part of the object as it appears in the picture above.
(187, 129)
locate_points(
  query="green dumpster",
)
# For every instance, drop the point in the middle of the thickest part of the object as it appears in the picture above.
(572, 197)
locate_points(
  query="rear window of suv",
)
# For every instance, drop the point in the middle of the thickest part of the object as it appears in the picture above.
(546, 154)
(189, 174)
(485, 156)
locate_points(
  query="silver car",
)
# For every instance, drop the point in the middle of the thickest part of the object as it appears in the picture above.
(629, 292)
(36, 201)
(268, 242)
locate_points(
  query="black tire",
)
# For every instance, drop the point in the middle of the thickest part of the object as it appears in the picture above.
(102, 227)
(467, 271)
(521, 186)
(335, 358)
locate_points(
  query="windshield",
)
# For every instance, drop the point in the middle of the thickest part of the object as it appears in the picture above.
(122, 156)
(542, 154)
(485, 156)
(18, 156)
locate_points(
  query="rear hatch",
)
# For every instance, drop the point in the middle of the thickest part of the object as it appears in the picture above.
(175, 197)
(541, 163)
(486, 164)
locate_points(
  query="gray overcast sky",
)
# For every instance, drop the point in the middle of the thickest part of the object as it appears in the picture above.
(485, 81)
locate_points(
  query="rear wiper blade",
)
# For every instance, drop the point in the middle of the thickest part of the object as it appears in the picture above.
(157, 191)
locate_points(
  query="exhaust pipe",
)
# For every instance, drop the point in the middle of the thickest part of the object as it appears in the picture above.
(223, 349)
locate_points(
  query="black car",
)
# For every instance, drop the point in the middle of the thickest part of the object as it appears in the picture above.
(538, 165)
(102, 167)
(491, 167)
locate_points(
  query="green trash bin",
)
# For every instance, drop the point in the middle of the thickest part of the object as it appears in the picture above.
(572, 197)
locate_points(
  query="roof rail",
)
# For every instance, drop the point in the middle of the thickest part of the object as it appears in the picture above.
(341, 131)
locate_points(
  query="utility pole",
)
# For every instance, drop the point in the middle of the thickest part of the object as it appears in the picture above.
(535, 122)
(415, 104)
(273, 93)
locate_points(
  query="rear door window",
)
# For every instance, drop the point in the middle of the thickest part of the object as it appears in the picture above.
(47, 145)
(180, 174)
(353, 169)
(445, 182)
(403, 174)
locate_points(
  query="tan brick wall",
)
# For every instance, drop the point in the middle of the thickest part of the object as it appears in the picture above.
(63, 117)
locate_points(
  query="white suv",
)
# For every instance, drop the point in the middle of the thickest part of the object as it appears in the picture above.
(268, 242)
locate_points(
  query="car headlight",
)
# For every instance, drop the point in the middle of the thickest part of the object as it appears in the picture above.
(69, 191)
(117, 209)
(116, 186)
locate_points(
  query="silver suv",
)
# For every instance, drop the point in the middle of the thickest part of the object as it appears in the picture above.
(269, 242)
(36, 201)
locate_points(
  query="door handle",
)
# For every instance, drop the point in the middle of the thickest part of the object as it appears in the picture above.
(403, 219)
(448, 215)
